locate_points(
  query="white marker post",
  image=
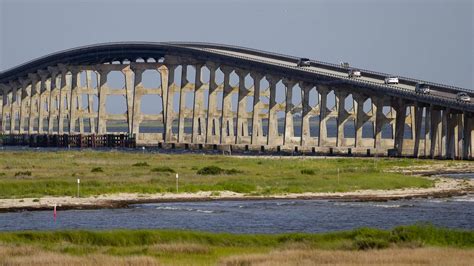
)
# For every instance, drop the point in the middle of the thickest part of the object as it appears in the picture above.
(78, 183)
(177, 183)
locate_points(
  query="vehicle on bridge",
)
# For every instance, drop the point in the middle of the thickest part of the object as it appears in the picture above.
(463, 97)
(303, 62)
(345, 64)
(391, 80)
(354, 73)
(422, 88)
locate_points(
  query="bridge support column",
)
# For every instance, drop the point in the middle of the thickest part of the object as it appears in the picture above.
(272, 137)
(136, 99)
(256, 121)
(16, 103)
(64, 95)
(90, 99)
(323, 115)
(79, 110)
(451, 137)
(289, 128)
(466, 140)
(73, 117)
(198, 110)
(6, 108)
(427, 141)
(417, 129)
(360, 118)
(170, 113)
(54, 101)
(342, 115)
(33, 108)
(470, 134)
(103, 91)
(242, 116)
(129, 96)
(306, 114)
(379, 121)
(400, 126)
(212, 124)
(182, 102)
(444, 133)
(435, 149)
(44, 95)
(25, 100)
(457, 136)
(227, 126)
(165, 86)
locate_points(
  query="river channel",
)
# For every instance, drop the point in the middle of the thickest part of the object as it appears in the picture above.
(260, 216)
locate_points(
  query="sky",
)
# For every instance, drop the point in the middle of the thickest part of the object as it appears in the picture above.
(426, 39)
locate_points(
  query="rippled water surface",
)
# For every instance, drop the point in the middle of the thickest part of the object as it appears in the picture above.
(268, 216)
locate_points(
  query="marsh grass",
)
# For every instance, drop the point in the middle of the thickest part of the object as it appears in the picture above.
(141, 164)
(97, 170)
(105, 172)
(189, 247)
(392, 256)
(163, 169)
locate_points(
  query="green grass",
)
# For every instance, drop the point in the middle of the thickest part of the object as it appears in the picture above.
(207, 247)
(101, 172)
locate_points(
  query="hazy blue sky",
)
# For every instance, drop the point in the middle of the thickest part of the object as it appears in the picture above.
(431, 40)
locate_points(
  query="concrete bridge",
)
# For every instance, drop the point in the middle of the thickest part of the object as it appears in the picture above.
(212, 95)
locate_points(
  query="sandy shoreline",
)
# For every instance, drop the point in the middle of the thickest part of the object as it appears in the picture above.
(444, 187)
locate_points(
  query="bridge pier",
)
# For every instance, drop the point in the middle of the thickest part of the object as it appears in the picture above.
(361, 121)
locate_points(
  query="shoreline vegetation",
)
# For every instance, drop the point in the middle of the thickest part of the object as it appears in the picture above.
(415, 244)
(31, 180)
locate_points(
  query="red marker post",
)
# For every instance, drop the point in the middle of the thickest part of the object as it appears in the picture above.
(54, 212)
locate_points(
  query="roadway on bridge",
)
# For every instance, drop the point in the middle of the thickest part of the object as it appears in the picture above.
(341, 74)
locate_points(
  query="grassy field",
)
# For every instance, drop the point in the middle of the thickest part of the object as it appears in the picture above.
(417, 244)
(36, 174)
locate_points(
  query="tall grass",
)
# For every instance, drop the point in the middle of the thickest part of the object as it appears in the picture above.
(424, 234)
(203, 248)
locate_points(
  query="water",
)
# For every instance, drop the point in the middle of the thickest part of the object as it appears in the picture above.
(265, 216)
(459, 175)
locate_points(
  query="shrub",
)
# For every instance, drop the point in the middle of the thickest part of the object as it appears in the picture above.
(36, 200)
(210, 170)
(141, 164)
(23, 174)
(307, 171)
(216, 170)
(364, 243)
(97, 170)
(232, 171)
(163, 169)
